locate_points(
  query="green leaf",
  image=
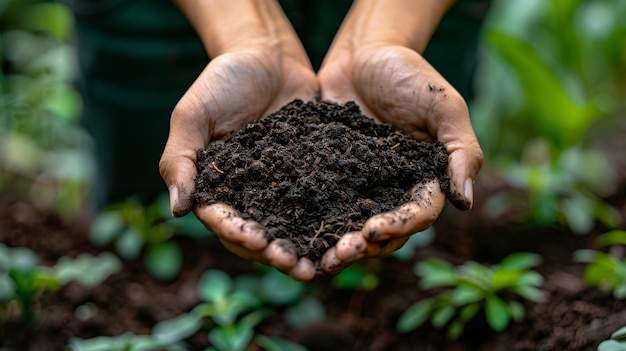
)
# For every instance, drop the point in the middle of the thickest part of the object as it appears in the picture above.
(355, 277)
(304, 313)
(497, 313)
(455, 330)
(415, 316)
(614, 237)
(129, 243)
(163, 260)
(177, 328)
(227, 310)
(619, 334)
(520, 261)
(272, 343)
(231, 338)
(516, 310)
(466, 294)
(504, 278)
(435, 273)
(105, 227)
(611, 345)
(584, 256)
(468, 312)
(7, 289)
(23, 259)
(530, 279)
(530, 293)
(214, 285)
(442, 316)
(87, 270)
(280, 289)
(50, 17)
(557, 115)
(619, 292)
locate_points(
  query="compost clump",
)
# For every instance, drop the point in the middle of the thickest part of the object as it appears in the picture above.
(313, 171)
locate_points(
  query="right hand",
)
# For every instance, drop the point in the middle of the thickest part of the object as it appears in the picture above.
(234, 89)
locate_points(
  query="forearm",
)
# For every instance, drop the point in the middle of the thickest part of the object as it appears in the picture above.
(231, 25)
(408, 23)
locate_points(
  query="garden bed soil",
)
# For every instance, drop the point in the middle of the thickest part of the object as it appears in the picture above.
(573, 317)
(313, 171)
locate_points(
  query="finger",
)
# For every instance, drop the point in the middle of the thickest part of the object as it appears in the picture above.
(282, 254)
(426, 205)
(351, 247)
(304, 270)
(330, 263)
(177, 164)
(226, 223)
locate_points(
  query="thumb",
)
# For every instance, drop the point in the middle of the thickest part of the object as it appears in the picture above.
(178, 161)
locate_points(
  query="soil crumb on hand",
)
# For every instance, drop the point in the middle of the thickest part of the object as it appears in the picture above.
(313, 171)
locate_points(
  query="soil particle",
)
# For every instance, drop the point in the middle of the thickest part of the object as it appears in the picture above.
(313, 171)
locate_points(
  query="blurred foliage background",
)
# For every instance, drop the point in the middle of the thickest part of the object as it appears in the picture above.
(549, 105)
(44, 154)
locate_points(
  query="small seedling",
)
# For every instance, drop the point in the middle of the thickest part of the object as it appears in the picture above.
(470, 288)
(23, 279)
(617, 342)
(606, 270)
(230, 310)
(131, 227)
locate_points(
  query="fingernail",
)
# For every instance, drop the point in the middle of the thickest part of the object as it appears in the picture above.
(469, 192)
(173, 198)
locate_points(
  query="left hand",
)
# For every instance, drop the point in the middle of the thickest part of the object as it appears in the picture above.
(396, 85)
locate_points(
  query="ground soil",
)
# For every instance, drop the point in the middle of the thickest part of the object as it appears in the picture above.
(572, 318)
(313, 171)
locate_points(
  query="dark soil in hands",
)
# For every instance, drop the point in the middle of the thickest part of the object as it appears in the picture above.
(314, 171)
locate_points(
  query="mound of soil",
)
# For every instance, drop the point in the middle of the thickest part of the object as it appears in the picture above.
(313, 171)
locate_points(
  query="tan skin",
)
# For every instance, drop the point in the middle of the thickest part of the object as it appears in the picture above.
(258, 65)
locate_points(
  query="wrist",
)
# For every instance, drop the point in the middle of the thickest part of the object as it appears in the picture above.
(233, 25)
(375, 23)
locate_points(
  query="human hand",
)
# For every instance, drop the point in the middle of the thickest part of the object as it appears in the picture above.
(396, 85)
(244, 81)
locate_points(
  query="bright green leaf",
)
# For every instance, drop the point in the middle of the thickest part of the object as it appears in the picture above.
(105, 227)
(614, 237)
(465, 294)
(504, 278)
(163, 260)
(129, 243)
(7, 289)
(231, 338)
(497, 313)
(442, 316)
(468, 312)
(611, 345)
(520, 261)
(619, 334)
(177, 328)
(435, 273)
(272, 343)
(214, 285)
(516, 310)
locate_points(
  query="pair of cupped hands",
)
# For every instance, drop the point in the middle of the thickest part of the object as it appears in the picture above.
(391, 83)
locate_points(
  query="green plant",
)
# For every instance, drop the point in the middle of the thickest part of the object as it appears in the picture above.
(606, 270)
(230, 309)
(44, 154)
(550, 89)
(617, 342)
(23, 279)
(470, 287)
(132, 227)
